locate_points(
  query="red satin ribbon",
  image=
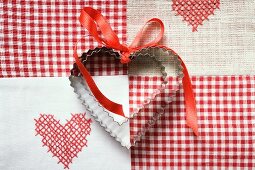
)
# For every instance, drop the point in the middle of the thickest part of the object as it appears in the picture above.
(92, 20)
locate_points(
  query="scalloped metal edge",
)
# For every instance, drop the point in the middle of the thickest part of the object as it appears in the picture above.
(163, 72)
(154, 118)
(90, 53)
(157, 116)
(98, 119)
(151, 97)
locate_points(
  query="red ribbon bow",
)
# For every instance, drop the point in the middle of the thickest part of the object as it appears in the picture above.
(91, 20)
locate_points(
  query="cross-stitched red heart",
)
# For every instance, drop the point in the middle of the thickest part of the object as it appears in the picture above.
(195, 11)
(63, 141)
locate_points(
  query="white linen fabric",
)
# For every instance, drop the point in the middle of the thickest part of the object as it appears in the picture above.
(22, 101)
(224, 45)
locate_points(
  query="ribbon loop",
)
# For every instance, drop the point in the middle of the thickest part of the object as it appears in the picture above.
(135, 44)
(154, 42)
(92, 19)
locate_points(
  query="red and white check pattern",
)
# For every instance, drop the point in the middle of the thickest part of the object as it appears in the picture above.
(139, 91)
(140, 88)
(105, 65)
(226, 111)
(37, 37)
(34, 44)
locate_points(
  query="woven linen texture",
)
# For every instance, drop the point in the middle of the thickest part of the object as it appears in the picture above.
(33, 44)
(223, 45)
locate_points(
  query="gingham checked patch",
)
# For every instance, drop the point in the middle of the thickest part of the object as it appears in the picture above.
(226, 111)
(37, 37)
(225, 103)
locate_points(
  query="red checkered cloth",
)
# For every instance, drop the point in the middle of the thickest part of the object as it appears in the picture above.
(226, 111)
(140, 88)
(37, 37)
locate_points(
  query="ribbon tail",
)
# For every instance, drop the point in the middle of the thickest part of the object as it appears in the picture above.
(104, 101)
(92, 19)
(189, 97)
(190, 102)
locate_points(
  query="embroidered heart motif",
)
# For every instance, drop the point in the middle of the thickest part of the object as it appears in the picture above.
(194, 12)
(158, 58)
(63, 141)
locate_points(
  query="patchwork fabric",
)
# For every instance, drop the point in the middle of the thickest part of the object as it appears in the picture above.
(226, 111)
(34, 44)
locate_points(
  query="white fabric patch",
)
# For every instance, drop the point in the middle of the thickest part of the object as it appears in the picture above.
(115, 88)
(23, 99)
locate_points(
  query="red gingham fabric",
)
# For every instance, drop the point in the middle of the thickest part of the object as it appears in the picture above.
(32, 43)
(140, 88)
(138, 91)
(226, 111)
(37, 37)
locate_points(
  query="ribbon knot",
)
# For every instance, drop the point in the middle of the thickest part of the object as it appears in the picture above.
(125, 57)
(91, 20)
